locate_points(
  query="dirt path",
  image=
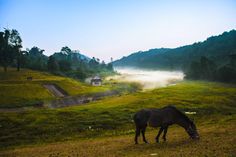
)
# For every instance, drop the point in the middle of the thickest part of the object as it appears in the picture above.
(55, 90)
(79, 100)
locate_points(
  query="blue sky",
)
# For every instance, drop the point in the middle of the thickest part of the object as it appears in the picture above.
(116, 28)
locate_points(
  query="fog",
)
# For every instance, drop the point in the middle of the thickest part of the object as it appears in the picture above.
(149, 79)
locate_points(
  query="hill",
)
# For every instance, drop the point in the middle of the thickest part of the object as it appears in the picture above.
(17, 91)
(216, 48)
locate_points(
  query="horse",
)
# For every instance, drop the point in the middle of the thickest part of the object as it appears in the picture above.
(163, 118)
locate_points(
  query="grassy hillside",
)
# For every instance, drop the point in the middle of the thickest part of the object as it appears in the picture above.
(16, 91)
(213, 102)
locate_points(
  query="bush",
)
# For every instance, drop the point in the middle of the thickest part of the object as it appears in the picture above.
(226, 74)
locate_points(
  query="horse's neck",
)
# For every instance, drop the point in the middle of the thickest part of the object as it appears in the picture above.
(183, 123)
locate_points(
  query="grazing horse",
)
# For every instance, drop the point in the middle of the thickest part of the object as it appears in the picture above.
(163, 118)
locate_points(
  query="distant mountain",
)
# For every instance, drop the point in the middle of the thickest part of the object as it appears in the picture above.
(216, 48)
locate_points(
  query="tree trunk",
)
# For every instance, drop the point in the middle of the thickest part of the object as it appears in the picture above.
(18, 64)
(18, 67)
(5, 68)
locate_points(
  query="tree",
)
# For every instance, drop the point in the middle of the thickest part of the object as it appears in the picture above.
(16, 41)
(36, 59)
(64, 65)
(52, 64)
(208, 68)
(103, 65)
(10, 42)
(66, 50)
(35, 52)
(194, 71)
(110, 66)
(2, 44)
(93, 63)
(24, 58)
(226, 74)
(81, 73)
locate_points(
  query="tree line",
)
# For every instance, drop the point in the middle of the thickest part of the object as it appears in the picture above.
(206, 69)
(65, 62)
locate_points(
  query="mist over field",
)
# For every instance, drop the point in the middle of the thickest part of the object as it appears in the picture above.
(149, 79)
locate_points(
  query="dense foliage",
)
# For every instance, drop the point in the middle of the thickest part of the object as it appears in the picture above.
(10, 44)
(206, 69)
(66, 62)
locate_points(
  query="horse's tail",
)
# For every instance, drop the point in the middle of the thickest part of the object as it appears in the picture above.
(137, 119)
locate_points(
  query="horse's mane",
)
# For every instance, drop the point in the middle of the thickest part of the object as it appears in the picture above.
(180, 113)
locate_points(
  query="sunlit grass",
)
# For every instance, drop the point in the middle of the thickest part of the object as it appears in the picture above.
(217, 139)
(113, 116)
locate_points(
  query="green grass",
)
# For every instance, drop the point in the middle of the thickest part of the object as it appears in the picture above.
(16, 91)
(216, 140)
(213, 102)
(25, 94)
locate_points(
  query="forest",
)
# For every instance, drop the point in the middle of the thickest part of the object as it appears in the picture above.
(66, 62)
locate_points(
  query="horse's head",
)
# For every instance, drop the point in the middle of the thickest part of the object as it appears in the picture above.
(192, 131)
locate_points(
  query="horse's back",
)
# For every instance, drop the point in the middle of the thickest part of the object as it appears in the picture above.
(158, 117)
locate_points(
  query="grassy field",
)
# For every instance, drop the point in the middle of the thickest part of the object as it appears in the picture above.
(105, 127)
(16, 91)
(216, 140)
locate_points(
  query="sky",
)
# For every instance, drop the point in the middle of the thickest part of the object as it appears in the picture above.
(115, 28)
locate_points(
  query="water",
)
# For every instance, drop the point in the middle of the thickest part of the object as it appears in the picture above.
(149, 79)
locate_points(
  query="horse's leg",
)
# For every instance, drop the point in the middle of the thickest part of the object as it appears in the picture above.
(165, 131)
(143, 133)
(137, 133)
(158, 135)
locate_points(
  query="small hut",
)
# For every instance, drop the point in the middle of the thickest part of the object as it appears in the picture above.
(96, 81)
